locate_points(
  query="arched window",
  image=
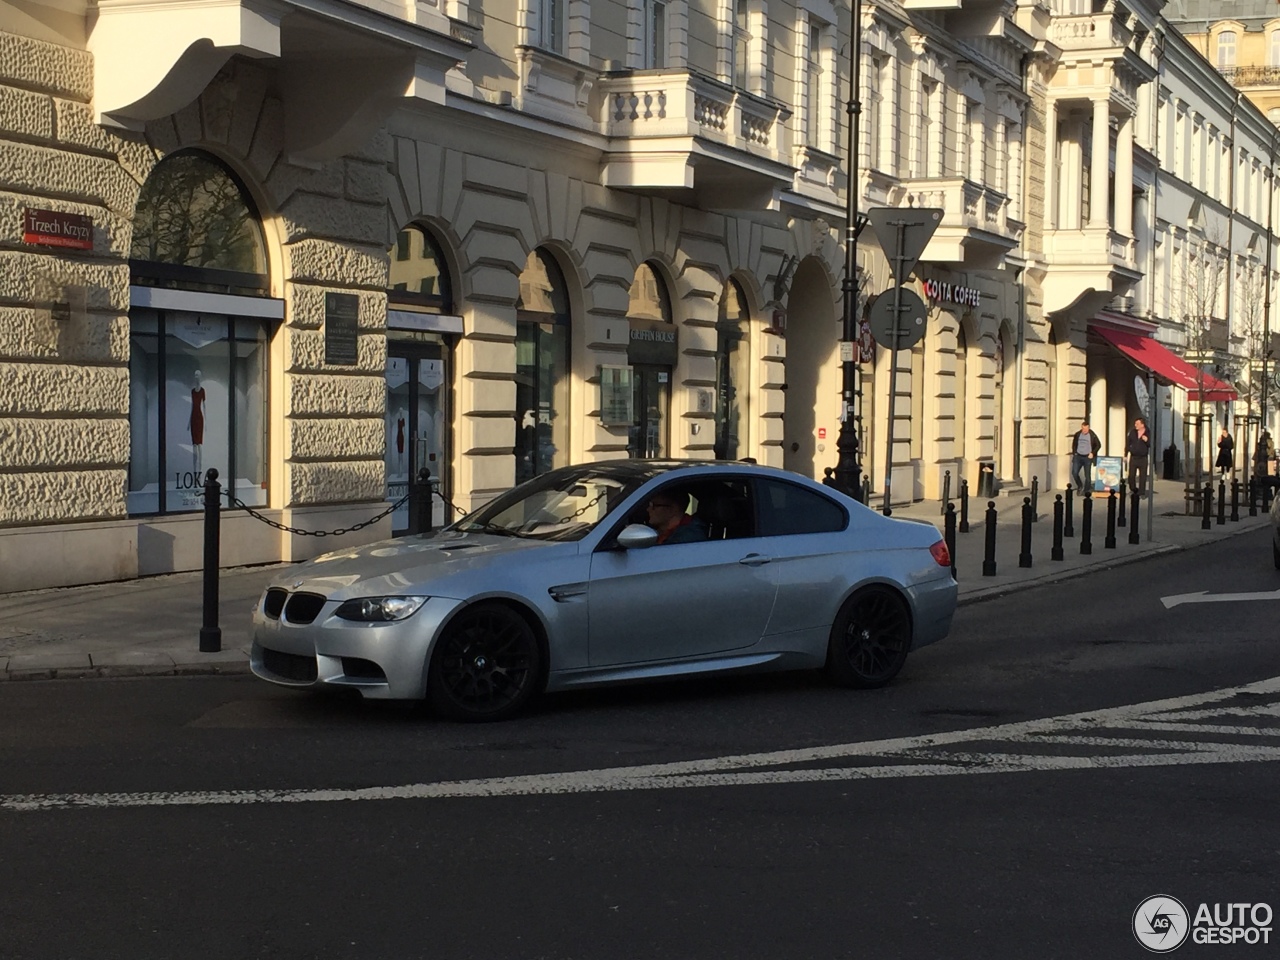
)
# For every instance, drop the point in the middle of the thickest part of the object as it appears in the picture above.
(419, 273)
(652, 352)
(195, 227)
(542, 368)
(733, 355)
(198, 364)
(1226, 50)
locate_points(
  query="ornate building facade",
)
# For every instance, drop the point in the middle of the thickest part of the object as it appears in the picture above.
(321, 247)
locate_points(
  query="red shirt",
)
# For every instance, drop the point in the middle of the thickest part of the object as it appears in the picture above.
(685, 520)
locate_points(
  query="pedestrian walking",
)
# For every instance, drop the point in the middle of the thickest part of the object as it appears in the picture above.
(1263, 455)
(1084, 449)
(1138, 446)
(1226, 461)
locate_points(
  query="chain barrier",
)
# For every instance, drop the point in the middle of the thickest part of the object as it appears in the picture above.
(241, 505)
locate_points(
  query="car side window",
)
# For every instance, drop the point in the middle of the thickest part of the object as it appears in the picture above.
(726, 507)
(787, 509)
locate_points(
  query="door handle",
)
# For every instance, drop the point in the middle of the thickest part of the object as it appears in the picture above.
(755, 560)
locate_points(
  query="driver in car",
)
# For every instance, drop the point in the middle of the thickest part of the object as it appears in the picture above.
(668, 514)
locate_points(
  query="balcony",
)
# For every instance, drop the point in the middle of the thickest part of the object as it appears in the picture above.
(673, 132)
(1252, 76)
(1088, 268)
(1089, 33)
(342, 66)
(976, 227)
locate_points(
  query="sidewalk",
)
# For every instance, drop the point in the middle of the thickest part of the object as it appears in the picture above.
(152, 626)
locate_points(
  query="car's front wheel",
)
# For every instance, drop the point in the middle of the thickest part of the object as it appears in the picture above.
(485, 666)
(870, 638)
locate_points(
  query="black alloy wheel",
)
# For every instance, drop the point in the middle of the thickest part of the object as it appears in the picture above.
(870, 639)
(486, 665)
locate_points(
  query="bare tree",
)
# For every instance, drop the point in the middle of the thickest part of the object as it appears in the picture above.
(1201, 300)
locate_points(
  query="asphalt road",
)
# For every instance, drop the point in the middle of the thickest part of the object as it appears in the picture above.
(1014, 794)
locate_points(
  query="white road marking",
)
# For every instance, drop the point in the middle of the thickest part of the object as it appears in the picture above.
(904, 757)
(1203, 596)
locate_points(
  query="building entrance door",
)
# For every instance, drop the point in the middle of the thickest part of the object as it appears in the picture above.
(651, 386)
(417, 425)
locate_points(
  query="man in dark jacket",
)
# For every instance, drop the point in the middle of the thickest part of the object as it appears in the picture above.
(1084, 448)
(1138, 447)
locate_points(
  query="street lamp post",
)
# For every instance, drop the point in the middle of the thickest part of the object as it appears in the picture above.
(848, 472)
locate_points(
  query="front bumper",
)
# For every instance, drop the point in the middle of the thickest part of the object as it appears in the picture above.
(381, 661)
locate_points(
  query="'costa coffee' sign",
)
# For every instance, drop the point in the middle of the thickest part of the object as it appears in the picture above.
(50, 229)
(950, 293)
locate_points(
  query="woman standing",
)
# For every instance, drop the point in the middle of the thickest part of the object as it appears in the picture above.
(1226, 453)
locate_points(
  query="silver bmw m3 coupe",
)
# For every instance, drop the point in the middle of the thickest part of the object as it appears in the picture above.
(612, 572)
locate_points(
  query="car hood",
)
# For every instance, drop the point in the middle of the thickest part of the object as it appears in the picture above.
(423, 564)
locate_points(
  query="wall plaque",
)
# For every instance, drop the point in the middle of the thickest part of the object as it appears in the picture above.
(341, 320)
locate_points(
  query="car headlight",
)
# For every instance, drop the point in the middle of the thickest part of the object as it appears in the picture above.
(378, 609)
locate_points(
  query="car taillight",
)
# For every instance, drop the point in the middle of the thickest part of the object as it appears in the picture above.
(941, 553)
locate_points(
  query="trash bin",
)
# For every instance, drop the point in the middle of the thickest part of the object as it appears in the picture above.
(1171, 471)
(986, 479)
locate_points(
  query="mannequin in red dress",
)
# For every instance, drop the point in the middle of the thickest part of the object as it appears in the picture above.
(196, 423)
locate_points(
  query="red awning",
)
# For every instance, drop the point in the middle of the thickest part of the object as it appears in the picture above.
(1164, 363)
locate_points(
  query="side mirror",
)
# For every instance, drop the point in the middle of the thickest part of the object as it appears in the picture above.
(635, 536)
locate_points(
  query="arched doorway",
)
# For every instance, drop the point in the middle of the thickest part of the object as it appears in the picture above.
(200, 321)
(652, 352)
(542, 368)
(422, 330)
(733, 365)
(811, 420)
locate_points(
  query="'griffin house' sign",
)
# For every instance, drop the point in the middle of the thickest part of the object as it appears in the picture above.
(50, 229)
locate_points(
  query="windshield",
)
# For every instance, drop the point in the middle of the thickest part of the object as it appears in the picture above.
(561, 505)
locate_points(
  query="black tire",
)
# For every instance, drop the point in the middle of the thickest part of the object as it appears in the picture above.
(486, 665)
(1275, 552)
(870, 639)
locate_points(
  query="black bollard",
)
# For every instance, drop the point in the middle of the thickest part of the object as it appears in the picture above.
(1069, 528)
(1207, 502)
(946, 490)
(1086, 525)
(1133, 527)
(1109, 541)
(964, 505)
(1253, 497)
(866, 489)
(989, 556)
(1235, 499)
(420, 503)
(1035, 499)
(1222, 501)
(1056, 552)
(210, 632)
(1120, 517)
(949, 535)
(1024, 558)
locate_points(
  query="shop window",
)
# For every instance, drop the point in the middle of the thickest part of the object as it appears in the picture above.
(733, 352)
(542, 368)
(197, 399)
(198, 380)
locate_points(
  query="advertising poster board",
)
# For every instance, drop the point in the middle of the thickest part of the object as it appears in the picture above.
(1107, 474)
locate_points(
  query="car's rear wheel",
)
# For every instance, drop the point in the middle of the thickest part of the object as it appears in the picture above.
(870, 638)
(485, 666)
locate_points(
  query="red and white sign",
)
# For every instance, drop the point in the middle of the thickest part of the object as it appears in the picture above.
(49, 229)
(822, 433)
